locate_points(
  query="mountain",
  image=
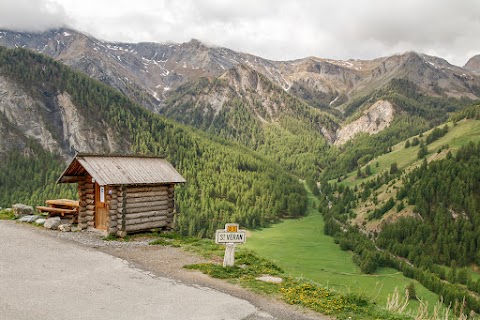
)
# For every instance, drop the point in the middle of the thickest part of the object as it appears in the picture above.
(150, 72)
(286, 110)
(473, 64)
(47, 110)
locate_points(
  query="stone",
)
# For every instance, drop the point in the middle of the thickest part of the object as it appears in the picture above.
(52, 223)
(66, 227)
(40, 221)
(29, 219)
(270, 279)
(20, 210)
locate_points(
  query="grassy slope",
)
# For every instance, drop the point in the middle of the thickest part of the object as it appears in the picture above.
(457, 136)
(301, 248)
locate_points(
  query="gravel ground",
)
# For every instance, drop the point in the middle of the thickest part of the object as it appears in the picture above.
(169, 261)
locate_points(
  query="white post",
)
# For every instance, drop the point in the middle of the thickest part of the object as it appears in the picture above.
(229, 257)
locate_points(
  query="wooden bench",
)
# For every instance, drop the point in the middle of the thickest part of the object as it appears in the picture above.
(61, 207)
(57, 211)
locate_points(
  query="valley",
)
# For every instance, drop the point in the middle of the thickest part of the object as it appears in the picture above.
(389, 148)
(303, 250)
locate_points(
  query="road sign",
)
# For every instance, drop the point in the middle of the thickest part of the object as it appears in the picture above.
(230, 237)
(221, 236)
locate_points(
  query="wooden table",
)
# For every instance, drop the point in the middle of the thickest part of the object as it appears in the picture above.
(60, 207)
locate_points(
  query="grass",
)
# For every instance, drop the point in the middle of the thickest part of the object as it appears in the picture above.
(295, 291)
(249, 266)
(7, 214)
(458, 135)
(301, 248)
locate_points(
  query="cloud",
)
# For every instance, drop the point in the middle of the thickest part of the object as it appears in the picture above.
(31, 15)
(273, 29)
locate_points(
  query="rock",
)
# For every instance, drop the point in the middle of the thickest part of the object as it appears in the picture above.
(29, 219)
(52, 223)
(40, 221)
(270, 279)
(21, 210)
(65, 227)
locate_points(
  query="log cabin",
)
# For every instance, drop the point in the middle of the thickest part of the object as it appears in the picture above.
(123, 194)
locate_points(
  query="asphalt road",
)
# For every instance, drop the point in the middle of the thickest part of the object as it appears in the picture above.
(42, 277)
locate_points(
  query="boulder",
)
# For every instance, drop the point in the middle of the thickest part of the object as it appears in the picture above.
(29, 219)
(40, 221)
(270, 279)
(66, 227)
(21, 210)
(52, 223)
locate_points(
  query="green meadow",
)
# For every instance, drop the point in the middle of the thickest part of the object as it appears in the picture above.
(458, 135)
(300, 247)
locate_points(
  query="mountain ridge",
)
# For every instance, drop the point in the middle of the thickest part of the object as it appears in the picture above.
(156, 68)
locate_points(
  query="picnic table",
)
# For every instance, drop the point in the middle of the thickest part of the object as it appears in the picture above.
(60, 207)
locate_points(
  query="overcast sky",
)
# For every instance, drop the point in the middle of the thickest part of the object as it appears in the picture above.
(273, 29)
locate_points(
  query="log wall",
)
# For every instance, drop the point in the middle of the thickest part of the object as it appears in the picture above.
(130, 209)
(86, 209)
(144, 208)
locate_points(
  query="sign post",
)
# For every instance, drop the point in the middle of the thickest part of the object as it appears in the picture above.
(230, 236)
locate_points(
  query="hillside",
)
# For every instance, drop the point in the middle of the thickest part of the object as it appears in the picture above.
(54, 110)
(419, 203)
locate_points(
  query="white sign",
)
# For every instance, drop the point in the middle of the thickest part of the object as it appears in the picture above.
(221, 236)
(230, 236)
(102, 194)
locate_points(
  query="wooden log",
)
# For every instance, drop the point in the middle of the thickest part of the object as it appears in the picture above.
(146, 226)
(89, 190)
(143, 209)
(90, 223)
(82, 226)
(112, 224)
(146, 199)
(131, 222)
(89, 212)
(147, 188)
(113, 207)
(90, 207)
(89, 201)
(146, 204)
(130, 195)
(156, 213)
(90, 218)
(89, 196)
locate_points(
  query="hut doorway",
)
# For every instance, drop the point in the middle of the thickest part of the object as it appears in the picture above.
(101, 207)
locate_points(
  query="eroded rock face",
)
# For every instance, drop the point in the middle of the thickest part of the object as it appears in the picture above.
(52, 120)
(77, 130)
(22, 111)
(378, 117)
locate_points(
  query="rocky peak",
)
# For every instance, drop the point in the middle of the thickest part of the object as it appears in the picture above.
(473, 64)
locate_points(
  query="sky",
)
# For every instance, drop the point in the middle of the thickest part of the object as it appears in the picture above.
(272, 29)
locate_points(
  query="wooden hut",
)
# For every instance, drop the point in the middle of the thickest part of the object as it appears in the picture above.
(123, 194)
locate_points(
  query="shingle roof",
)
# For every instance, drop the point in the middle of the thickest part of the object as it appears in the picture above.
(120, 170)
